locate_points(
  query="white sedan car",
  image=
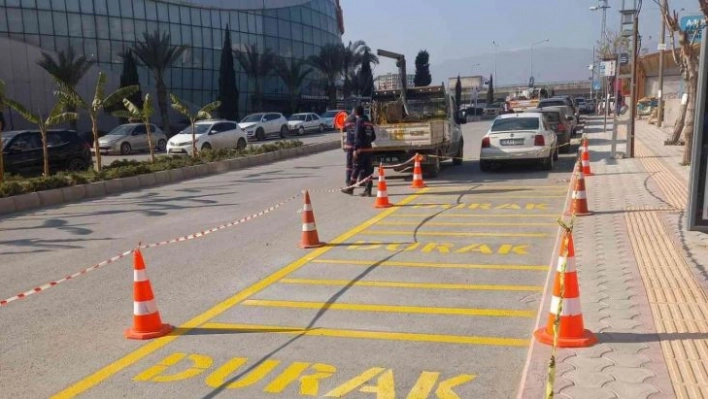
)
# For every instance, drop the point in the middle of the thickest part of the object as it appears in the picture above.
(305, 122)
(518, 138)
(209, 134)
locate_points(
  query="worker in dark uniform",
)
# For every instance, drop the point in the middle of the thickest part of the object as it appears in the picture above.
(365, 136)
(349, 141)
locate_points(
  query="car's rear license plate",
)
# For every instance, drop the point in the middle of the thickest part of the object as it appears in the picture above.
(386, 160)
(512, 142)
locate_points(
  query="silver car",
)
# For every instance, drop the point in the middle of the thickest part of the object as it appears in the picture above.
(131, 137)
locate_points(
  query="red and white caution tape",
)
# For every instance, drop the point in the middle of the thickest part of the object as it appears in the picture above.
(153, 245)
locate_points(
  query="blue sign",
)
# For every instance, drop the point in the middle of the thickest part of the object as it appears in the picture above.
(693, 25)
(596, 85)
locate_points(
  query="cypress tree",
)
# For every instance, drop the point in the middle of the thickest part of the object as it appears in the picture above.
(422, 69)
(458, 91)
(490, 91)
(366, 77)
(228, 92)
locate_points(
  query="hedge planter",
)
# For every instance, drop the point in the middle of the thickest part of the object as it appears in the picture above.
(74, 193)
(27, 201)
(51, 197)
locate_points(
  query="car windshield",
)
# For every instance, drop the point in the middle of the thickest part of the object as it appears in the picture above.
(122, 130)
(554, 103)
(552, 116)
(6, 139)
(509, 124)
(252, 118)
(330, 114)
(297, 117)
(199, 128)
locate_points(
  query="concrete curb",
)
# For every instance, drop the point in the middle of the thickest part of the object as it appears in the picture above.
(65, 195)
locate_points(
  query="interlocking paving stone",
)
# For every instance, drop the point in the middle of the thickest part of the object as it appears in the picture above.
(632, 391)
(576, 392)
(634, 375)
(628, 359)
(590, 364)
(589, 380)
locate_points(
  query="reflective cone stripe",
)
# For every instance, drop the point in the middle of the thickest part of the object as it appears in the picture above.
(571, 327)
(585, 158)
(310, 238)
(382, 191)
(147, 323)
(417, 174)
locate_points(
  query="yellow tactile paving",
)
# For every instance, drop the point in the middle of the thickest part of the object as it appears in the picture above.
(679, 306)
(676, 193)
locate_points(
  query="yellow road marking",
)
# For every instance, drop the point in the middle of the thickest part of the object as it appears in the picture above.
(452, 234)
(453, 224)
(481, 215)
(483, 186)
(395, 336)
(513, 196)
(432, 265)
(360, 307)
(396, 284)
(135, 356)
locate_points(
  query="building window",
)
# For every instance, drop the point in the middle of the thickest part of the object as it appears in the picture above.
(206, 37)
(196, 36)
(174, 13)
(216, 19)
(113, 8)
(128, 30)
(102, 29)
(307, 16)
(285, 29)
(175, 34)
(243, 22)
(100, 6)
(44, 4)
(163, 12)
(150, 11)
(60, 27)
(307, 34)
(29, 18)
(251, 23)
(115, 27)
(297, 32)
(186, 34)
(75, 29)
(71, 5)
(140, 28)
(271, 26)
(196, 17)
(295, 14)
(206, 17)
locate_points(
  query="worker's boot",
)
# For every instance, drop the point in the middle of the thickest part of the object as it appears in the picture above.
(349, 190)
(368, 189)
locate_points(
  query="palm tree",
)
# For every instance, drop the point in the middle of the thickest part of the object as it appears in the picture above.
(142, 114)
(67, 68)
(257, 66)
(158, 54)
(293, 76)
(352, 58)
(70, 97)
(330, 62)
(56, 117)
(203, 113)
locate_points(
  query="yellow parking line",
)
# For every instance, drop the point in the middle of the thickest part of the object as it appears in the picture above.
(396, 284)
(382, 335)
(432, 265)
(357, 307)
(453, 224)
(526, 197)
(482, 215)
(135, 356)
(452, 234)
(483, 186)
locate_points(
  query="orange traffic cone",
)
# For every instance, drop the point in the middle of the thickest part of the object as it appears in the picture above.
(417, 173)
(382, 191)
(146, 318)
(573, 179)
(310, 238)
(579, 199)
(585, 157)
(571, 328)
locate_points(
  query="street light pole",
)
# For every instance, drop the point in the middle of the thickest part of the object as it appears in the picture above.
(496, 47)
(532, 46)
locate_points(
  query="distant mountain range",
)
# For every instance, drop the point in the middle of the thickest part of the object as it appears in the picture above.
(514, 67)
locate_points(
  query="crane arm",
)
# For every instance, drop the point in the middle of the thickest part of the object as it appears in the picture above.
(401, 64)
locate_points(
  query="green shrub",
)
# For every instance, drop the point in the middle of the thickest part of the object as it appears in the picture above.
(10, 188)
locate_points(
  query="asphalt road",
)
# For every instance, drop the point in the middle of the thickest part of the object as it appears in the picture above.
(434, 297)
(310, 138)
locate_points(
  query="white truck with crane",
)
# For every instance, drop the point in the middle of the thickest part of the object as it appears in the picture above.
(416, 120)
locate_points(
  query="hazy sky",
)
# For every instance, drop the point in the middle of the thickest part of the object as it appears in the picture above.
(452, 29)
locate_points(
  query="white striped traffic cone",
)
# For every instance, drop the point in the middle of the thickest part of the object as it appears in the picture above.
(147, 323)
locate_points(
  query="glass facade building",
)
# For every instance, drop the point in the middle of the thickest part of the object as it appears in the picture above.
(102, 29)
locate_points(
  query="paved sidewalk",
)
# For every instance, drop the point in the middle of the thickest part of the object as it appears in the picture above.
(642, 285)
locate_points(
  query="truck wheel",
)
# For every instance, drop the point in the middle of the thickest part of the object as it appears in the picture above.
(457, 161)
(433, 170)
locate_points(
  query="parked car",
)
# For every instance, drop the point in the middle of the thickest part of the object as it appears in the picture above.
(557, 121)
(493, 110)
(209, 135)
(570, 101)
(519, 138)
(262, 125)
(328, 118)
(305, 122)
(580, 104)
(590, 106)
(23, 153)
(568, 111)
(131, 137)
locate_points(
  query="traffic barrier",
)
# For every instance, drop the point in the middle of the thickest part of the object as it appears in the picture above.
(339, 120)
(382, 191)
(417, 174)
(565, 327)
(310, 238)
(585, 157)
(146, 318)
(579, 199)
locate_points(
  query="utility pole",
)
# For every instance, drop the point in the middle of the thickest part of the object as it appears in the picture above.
(662, 47)
(496, 47)
(633, 97)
